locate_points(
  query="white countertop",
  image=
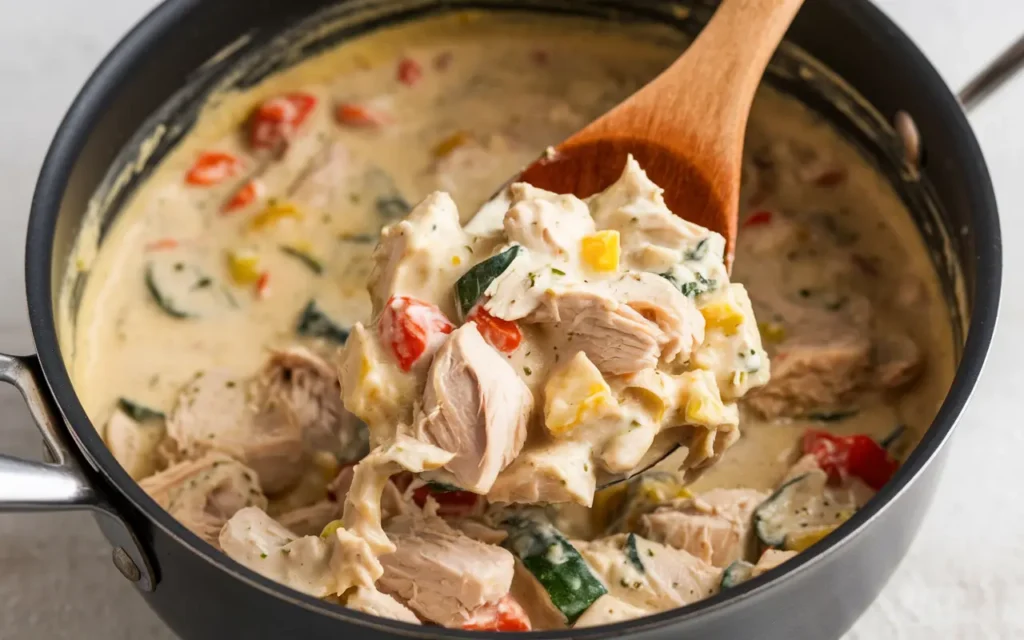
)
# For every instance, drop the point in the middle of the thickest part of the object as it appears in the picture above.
(964, 576)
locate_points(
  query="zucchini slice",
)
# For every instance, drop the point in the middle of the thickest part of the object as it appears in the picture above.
(472, 285)
(139, 412)
(184, 291)
(736, 573)
(802, 504)
(314, 323)
(556, 564)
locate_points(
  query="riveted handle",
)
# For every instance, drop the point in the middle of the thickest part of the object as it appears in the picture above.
(65, 483)
(40, 486)
(995, 75)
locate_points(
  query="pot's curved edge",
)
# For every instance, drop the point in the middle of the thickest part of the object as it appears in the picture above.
(45, 210)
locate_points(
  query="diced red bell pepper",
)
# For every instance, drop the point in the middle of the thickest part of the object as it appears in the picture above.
(503, 335)
(277, 119)
(357, 115)
(504, 615)
(250, 192)
(163, 244)
(844, 456)
(412, 328)
(213, 167)
(263, 285)
(453, 504)
(409, 72)
(758, 218)
(830, 178)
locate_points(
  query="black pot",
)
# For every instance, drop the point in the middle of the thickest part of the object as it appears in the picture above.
(161, 68)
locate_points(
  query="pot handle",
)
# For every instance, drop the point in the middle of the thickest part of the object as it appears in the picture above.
(65, 483)
(993, 76)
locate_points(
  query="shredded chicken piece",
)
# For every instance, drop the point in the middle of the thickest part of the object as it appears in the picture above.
(205, 493)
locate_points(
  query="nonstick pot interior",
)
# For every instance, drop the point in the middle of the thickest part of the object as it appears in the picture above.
(158, 77)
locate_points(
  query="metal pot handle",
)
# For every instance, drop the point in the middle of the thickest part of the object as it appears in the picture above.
(65, 483)
(993, 76)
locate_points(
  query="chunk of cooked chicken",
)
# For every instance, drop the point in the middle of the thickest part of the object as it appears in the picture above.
(414, 256)
(307, 388)
(608, 610)
(216, 411)
(897, 361)
(654, 297)
(553, 472)
(380, 604)
(203, 494)
(647, 575)
(624, 325)
(136, 445)
(616, 338)
(320, 566)
(475, 406)
(441, 573)
(547, 223)
(811, 374)
(715, 526)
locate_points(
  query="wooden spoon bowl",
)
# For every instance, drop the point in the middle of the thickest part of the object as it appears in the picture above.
(685, 127)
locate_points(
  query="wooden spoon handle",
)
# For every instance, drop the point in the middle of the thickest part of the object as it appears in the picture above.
(714, 83)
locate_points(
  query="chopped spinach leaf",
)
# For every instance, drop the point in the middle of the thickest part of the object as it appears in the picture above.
(314, 323)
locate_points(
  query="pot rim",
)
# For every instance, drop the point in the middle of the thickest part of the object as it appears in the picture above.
(82, 116)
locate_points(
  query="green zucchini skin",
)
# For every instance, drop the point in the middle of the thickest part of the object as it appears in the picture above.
(306, 259)
(736, 573)
(556, 564)
(765, 518)
(632, 554)
(473, 283)
(315, 323)
(139, 412)
(184, 291)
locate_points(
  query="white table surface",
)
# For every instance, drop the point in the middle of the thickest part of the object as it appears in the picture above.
(964, 576)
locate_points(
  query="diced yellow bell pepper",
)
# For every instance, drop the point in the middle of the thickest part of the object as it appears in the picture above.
(724, 315)
(772, 331)
(274, 213)
(600, 251)
(701, 400)
(326, 464)
(244, 266)
(575, 394)
(445, 148)
(330, 529)
(803, 540)
(652, 403)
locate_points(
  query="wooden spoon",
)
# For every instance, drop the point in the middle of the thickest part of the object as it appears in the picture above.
(685, 127)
